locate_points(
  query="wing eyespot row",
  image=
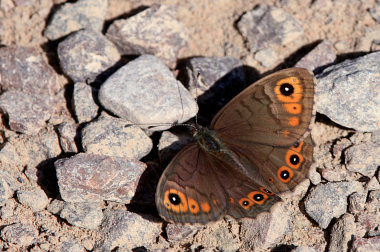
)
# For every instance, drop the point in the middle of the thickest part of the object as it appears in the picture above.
(177, 202)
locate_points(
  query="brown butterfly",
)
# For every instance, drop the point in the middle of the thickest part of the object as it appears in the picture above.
(255, 147)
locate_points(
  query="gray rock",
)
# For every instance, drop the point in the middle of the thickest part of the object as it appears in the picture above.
(266, 26)
(321, 55)
(70, 17)
(328, 201)
(373, 184)
(266, 230)
(178, 232)
(152, 31)
(67, 133)
(363, 158)
(371, 244)
(83, 102)
(304, 249)
(5, 191)
(86, 54)
(55, 206)
(72, 246)
(22, 234)
(85, 215)
(30, 71)
(115, 137)
(334, 175)
(145, 92)
(27, 113)
(267, 57)
(367, 222)
(35, 198)
(122, 228)
(373, 201)
(347, 93)
(375, 12)
(221, 79)
(92, 178)
(356, 201)
(342, 233)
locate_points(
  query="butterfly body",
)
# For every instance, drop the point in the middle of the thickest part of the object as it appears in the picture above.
(255, 147)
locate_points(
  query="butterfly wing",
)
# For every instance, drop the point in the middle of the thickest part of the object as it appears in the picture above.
(277, 110)
(197, 187)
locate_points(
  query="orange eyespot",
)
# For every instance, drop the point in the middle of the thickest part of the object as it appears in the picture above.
(297, 147)
(245, 203)
(294, 121)
(271, 180)
(205, 207)
(258, 197)
(289, 90)
(266, 191)
(294, 159)
(175, 201)
(293, 108)
(193, 206)
(285, 174)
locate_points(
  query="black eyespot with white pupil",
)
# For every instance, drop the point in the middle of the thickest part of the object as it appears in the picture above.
(285, 175)
(245, 203)
(174, 199)
(286, 89)
(294, 159)
(258, 197)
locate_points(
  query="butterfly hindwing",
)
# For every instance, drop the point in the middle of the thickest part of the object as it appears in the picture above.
(197, 187)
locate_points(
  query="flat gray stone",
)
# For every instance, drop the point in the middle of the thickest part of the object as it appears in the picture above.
(178, 232)
(121, 228)
(70, 17)
(21, 234)
(115, 137)
(341, 233)
(328, 201)
(321, 55)
(363, 158)
(347, 93)
(145, 92)
(67, 133)
(92, 178)
(72, 246)
(86, 54)
(152, 31)
(267, 57)
(83, 102)
(27, 113)
(35, 198)
(86, 215)
(30, 72)
(267, 26)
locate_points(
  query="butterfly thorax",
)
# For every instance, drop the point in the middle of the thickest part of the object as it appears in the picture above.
(209, 141)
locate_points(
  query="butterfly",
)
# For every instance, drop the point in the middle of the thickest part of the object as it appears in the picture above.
(257, 146)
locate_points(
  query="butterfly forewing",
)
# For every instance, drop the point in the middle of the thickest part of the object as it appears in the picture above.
(277, 110)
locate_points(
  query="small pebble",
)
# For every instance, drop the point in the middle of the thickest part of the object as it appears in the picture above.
(35, 198)
(115, 137)
(100, 55)
(84, 215)
(83, 102)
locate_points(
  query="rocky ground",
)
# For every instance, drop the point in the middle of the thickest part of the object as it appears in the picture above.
(89, 89)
